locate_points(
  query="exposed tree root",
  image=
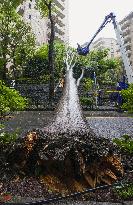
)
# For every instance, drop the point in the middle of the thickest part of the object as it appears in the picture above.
(71, 164)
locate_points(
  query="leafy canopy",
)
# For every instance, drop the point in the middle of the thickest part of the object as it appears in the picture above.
(37, 66)
(97, 61)
(16, 40)
(43, 6)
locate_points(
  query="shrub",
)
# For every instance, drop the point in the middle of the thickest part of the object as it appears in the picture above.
(87, 84)
(6, 137)
(125, 191)
(128, 99)
(10, 99)
(85, 101)
(125, 143)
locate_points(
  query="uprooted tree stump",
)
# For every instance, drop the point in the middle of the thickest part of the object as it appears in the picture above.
(66, 154)
(77, 160)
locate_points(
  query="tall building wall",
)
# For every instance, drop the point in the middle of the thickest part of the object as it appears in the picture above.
(41, 26)
(126, 25)
(110, 43)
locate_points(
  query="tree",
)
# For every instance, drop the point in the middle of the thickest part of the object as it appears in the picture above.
(97, 61)
(60, 52)
(112, 75)
(16, 40)
(36, 67)
(46, 7)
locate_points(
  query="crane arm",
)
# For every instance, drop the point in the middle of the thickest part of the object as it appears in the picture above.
(84, 50)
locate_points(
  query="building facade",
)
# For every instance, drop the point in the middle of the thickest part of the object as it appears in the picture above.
(126, 25)
(41, 26)
(109, 43)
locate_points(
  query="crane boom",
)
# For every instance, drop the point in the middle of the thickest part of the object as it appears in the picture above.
(84, 50)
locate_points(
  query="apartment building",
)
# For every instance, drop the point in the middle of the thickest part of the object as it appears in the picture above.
(110, 43)
(126, 25)
(41, 26)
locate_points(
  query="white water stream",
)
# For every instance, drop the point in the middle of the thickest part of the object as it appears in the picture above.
(69, 117)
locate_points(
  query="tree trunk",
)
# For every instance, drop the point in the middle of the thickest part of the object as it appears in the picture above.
(4, 54)
(14, 66)
(51, 54)
(4, 77)
(4, 70)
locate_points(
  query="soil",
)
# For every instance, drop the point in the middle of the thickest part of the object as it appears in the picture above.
(31, 188)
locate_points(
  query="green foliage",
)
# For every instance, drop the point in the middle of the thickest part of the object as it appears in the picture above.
(128, 98)
(1, 126)
(113, 74)
(125, 143)
(86, 101)
(88, 84)
(42, 5)
(13, 4)
(125, 191)
(60, 52)
(36, 67)
(10, 99)
(99, 62)
(16, 40)
(6, 137)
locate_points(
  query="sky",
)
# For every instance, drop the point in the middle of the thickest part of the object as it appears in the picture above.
(85, 17)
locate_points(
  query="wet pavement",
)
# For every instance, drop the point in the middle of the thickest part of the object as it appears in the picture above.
(91, 203)
(109, 127)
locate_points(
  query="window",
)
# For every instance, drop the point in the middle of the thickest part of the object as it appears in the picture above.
(29, 16)
(29, 6)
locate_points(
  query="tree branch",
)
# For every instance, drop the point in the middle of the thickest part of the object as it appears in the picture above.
(46, 3)
(81, 76)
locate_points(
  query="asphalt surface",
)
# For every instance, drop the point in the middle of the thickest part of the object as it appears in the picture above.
(108, 127)
(111, 127)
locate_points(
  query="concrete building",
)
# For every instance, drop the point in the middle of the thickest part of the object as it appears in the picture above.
(126, 25)
(110, 43)
(40, 26)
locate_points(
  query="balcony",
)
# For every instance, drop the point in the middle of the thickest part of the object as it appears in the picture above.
(126, 32)
(127, 40)
(59, 39)
(125, 25)
(58, 22)
(129, 53)
(128, 46)
(59, 14)
(59, 31)
(59, 5)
